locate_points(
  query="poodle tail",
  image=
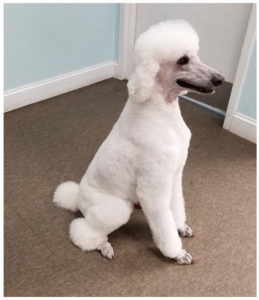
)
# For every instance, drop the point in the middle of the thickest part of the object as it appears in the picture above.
(66, 194)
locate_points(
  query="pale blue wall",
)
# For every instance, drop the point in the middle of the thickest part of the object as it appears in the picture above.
(247, 100)
(45, 40)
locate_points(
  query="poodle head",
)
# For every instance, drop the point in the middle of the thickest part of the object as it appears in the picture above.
(166, 57)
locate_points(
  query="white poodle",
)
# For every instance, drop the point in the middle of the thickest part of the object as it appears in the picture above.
(143, 157)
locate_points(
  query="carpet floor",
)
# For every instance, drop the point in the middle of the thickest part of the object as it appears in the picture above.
(54, 141)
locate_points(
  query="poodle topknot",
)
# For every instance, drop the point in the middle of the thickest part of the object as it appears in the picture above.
(143, 157)
(166, 41)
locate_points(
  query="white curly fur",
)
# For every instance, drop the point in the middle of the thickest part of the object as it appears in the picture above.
(65, 195)
(143, 157)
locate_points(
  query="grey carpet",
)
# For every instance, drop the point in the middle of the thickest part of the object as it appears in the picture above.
(54, 140)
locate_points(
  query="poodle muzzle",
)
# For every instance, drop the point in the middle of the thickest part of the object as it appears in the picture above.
(200, 78)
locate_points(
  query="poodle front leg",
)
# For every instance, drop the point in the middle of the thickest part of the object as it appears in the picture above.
(178, 207)
(156, 207)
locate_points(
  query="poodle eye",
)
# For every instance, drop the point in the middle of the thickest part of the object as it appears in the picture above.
(183, 60)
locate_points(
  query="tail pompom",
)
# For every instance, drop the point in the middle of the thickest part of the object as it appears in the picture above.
(65, 195)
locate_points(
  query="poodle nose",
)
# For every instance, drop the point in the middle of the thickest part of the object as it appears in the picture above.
(217, 80)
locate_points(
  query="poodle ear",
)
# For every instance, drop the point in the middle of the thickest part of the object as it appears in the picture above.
(142, 80)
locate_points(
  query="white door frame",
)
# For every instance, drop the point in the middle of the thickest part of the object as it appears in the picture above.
(235, 122)
(128, 12)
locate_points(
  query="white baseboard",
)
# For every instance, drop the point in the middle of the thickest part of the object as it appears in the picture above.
(204, 105)
(57, 85)
(240, 125)
(243, 127)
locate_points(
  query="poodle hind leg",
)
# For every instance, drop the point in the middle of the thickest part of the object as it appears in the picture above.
(84, 236)
(105, 214)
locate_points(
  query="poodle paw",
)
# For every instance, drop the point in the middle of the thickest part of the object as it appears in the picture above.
(184, 258)
(106, 250)
(186, 231)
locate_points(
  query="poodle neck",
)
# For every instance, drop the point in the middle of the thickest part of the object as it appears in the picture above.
(166, 93)
(166, 100)
(160, 106)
